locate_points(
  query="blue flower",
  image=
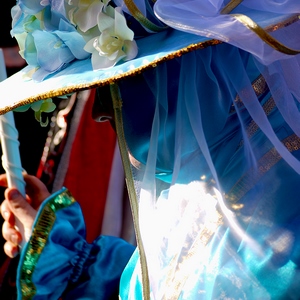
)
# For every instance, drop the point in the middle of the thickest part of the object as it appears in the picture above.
(47, 50)
(56, 49)
(32, 6)
(53, 33)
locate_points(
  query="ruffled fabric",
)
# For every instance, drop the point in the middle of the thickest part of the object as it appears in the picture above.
(58, 262)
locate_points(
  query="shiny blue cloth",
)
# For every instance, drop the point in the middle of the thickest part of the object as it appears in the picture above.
(195, 119)
(70, 267)
(200, 124)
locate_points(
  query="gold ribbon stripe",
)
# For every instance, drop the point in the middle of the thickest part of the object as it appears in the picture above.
(230, 6)
(138, 15)
(117, 104)
(250, 24)
(267, 38)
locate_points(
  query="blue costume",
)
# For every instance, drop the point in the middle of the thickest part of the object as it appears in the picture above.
(213, 141)
(197, 249)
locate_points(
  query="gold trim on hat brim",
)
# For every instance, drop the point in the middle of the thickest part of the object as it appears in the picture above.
(16, 92)
(18, 78)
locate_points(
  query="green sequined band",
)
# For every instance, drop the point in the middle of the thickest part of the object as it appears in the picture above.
(38, 240)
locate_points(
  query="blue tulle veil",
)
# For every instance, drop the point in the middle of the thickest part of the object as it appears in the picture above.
(216, 158)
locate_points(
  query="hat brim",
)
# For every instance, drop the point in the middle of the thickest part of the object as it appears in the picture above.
(79, 74)
(16, 91)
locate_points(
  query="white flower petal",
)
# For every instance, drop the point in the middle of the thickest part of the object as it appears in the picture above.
(121, 28)
(101, 62)
(105, 38)
(89, 46)
(87, 17)
(131, 49)
(115, 55)
(120, 56)
(110, 11)
(105, 22)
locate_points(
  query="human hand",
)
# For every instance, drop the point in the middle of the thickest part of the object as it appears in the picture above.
(15, 205)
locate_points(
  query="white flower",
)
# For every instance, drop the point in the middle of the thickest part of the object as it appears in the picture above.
(115, 41)
(84, 13)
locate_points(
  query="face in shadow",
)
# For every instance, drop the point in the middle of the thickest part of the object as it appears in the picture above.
(144, 97)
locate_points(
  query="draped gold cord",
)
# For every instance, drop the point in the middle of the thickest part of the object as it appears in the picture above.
(266, 37)
(230, 6)
(138, 15)
(250, 24)
(117, 104)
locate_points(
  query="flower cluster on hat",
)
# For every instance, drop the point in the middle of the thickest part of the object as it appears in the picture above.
(53, 33)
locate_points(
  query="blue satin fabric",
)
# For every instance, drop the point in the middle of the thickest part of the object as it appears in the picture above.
(70, 267)
(260, 258)
(222, 129)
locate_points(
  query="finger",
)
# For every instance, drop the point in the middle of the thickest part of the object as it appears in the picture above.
(10, 234)
(3, 180)
(36, 190)
(6, 212)
(11, 250)
(20, 207)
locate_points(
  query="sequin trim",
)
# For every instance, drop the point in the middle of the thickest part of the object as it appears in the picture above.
(176, 282)
(114, 79)
(272, 157)
(252, 128)
(268, 108)
(118, 77)
(39, 239)
(259, 86)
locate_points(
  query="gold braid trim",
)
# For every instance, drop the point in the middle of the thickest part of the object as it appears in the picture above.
(39, 239)
(266, 37)
(250, 24)
(230, 6)
(114, 79)
(177, 266)
(268, 160)
(137, 14)
(259, 86)
(117, 104)
(268, 107)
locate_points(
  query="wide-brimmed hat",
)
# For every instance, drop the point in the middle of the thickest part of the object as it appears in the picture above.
(72, 46)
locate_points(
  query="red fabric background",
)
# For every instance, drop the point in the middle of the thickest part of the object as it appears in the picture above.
(89, 170)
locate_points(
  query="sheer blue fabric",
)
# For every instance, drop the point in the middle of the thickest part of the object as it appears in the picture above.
(214, 141)
(204, 18)
(217, 169)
